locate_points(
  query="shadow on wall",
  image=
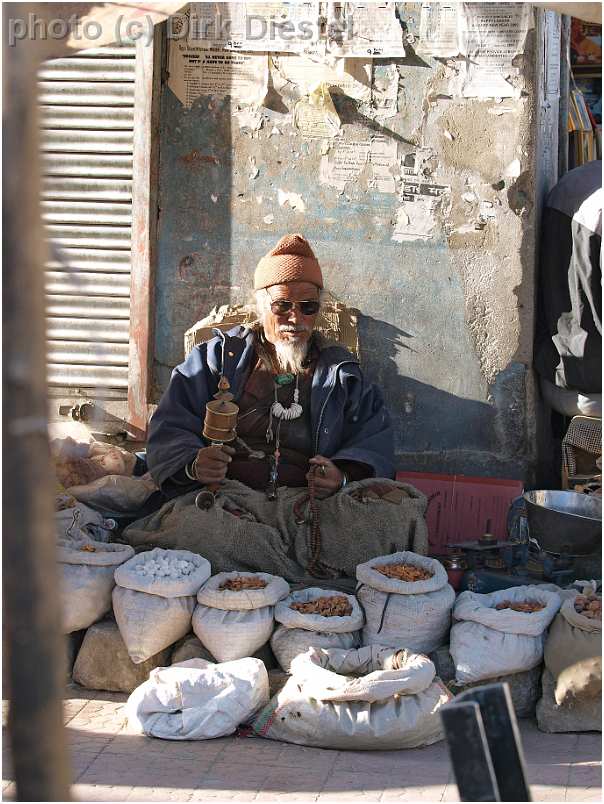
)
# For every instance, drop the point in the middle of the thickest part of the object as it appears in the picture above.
(437, 431)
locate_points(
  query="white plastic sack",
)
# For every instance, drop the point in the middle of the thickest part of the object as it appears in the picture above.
(369, 674)
(486, 642)
(399, 614)
(153, 613)
(198, 700)
(316, 709)
(232, 624)
(115, 494)
(287, 643)
(87, 580)
(316, 622)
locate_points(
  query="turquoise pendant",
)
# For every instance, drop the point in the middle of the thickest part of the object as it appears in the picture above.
(284, 379)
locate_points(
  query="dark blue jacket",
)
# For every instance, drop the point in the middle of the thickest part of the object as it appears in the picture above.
(349, 419)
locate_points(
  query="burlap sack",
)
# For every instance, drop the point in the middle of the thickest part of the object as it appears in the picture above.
(573, 655)
(246, 531)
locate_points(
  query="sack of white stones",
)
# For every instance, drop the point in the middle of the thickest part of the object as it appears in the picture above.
(315, 618)
(500, 633)
(368, 699)
(87, 579)
(235, 612)
(407, 601)
(154, 598)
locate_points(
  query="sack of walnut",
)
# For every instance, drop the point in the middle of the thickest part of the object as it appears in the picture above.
(337, 627)
(488, 642)
(234, 616)
(154, 598)
(573, 651)
(87, 569)
(407, 602)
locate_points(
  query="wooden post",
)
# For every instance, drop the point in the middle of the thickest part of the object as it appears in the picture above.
(34, 658)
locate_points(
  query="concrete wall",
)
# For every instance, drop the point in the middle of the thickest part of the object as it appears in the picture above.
(447, 322)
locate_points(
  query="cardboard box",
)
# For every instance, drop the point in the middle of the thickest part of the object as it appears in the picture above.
(459, 506)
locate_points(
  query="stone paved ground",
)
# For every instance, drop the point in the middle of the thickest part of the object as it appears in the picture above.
(111, 764)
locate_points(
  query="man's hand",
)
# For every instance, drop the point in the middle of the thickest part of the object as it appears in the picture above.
(212, 463)
(328, 478)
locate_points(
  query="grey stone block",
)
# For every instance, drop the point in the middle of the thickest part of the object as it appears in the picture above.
(581, 715)
(189, 647)
(103, 662)
(524, 687)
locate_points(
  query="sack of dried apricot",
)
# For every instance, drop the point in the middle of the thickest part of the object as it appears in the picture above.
(315, 617)
(234, 616)
(407, 601)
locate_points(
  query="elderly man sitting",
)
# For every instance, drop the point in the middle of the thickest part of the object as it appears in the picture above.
(307, 419)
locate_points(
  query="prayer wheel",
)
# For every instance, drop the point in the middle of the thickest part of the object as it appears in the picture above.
(219, 427)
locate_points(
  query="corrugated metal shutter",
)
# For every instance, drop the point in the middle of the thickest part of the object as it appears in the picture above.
(87, 119)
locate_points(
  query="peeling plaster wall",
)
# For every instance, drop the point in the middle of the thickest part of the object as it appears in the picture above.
(447, 322)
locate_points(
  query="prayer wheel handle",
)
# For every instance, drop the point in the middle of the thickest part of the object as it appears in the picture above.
(219, 428)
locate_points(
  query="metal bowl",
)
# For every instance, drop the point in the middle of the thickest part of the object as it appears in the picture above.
(565, 521)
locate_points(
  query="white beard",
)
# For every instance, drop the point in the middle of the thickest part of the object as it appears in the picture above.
(291, 356)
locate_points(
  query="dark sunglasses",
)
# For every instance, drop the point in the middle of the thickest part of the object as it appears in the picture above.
(283, 306)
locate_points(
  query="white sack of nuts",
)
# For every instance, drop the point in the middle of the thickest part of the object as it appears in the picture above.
(488, 642)
(573, 650)
(372, 698)
(407, 601)
(154, 598)
(337, 627)
(87, 578)
(198, 700)
(234, 616)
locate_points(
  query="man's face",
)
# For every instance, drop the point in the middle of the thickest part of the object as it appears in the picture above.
(292, 326)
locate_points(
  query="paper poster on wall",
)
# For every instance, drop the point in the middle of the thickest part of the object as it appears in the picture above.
(491, 36)
(438, 30)
(364, 29)
(288, 27)
(195, 71)
(217, 25)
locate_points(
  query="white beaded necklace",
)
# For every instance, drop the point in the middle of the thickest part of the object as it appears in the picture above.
(282, 413)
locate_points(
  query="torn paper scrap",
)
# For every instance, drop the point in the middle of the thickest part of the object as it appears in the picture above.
(364, 29)
(384, 93)
(194, 71)
(351, 77)
(438, 30)
(315, 116)
(382, 158)
(417, 218)
(294, 200)
(491, 36)
(344, 163)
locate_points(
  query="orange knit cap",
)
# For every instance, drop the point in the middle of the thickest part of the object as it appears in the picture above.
(292, 260)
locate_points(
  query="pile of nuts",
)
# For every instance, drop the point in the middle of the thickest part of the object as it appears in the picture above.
(328, 606)
(528, 607)
(241, 583)
(403, 572)
(590, 607)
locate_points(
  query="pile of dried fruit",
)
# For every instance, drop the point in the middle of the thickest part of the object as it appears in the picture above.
(332, 606)
(528, 606)
(590, 607)
(403, 572)
(241, 583)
